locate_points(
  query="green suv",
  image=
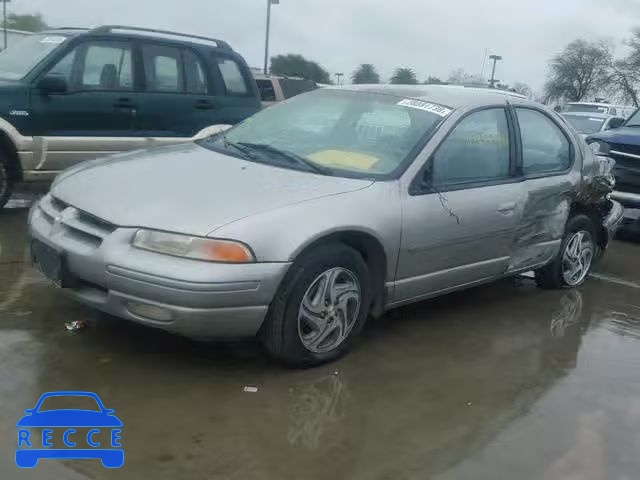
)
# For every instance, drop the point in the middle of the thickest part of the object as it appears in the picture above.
(69, 95)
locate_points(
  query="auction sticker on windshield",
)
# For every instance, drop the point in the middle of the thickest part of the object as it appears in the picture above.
(54, 40)
(426, 106)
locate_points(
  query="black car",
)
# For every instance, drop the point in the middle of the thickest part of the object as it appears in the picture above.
(68, 95)
(623, 145)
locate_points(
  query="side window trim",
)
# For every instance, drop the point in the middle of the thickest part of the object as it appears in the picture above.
(206, 71)
(559, 126)
(416, 186)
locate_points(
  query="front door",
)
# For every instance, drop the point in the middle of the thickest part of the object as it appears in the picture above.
(459, 228)
(94, 117)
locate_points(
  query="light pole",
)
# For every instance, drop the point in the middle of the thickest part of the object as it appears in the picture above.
(338, 77)
(4, 21)
(266, 41)
(493, 81)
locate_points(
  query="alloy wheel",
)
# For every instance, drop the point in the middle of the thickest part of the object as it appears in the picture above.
(577, 258)
(329, 310)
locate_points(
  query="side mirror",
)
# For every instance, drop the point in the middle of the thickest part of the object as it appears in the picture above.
(615, 123)
(53, 84)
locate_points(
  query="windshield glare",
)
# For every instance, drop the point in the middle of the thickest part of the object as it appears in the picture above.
(585, 125)
(359, 134)
(19, 58)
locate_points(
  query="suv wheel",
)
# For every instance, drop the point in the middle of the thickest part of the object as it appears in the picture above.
(320, 307)
(6, 181)
(572, 265)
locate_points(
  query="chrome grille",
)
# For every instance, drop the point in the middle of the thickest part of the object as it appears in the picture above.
(74, 222)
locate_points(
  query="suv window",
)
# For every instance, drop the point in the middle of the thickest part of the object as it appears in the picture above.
(65, 66)
(267, 92)
(106, 66)
(476, 150)
(232, 77)
(162, 68)
(292, 87)
(544, 147)
(194, 74)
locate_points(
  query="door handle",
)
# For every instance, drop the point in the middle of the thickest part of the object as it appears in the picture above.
(204, 105)
(123, 103)
(507, 207)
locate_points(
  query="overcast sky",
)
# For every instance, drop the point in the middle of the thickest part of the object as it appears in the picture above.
(433, 37)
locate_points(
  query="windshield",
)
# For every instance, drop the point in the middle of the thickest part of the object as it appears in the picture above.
(343, 132)
(20, 58)
(579, 107)
(634, 120)
(585, 125)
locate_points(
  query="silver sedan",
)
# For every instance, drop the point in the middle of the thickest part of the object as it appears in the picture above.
(312, 215)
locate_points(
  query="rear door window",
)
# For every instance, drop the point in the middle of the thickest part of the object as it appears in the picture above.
(162, 68)
(544, 147)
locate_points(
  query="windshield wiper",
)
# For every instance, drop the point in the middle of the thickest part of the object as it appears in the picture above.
(289, 156)
(245, 152)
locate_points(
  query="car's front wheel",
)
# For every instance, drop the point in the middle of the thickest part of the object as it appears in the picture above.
(320, 307)
(574, 261)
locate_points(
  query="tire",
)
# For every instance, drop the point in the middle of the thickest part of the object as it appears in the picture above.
(292, 333)
(555, 274)
(6, 181)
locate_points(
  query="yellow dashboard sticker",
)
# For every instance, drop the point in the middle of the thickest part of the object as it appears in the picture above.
(344, 158)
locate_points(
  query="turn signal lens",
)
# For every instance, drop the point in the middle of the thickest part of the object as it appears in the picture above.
(199, 248)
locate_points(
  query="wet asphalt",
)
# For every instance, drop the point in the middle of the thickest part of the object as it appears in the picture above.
(500, 382)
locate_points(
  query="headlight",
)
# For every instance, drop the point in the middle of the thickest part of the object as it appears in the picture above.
(600, 148)
(199, 248)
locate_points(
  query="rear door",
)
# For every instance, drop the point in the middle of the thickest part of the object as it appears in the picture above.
(95, 115)
(460, 216)
(170, 103)
(546, 164)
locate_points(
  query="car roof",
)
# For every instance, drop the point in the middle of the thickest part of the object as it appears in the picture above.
(587, 114)
(453, 96)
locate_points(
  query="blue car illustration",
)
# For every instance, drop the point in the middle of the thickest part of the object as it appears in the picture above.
(28, 456)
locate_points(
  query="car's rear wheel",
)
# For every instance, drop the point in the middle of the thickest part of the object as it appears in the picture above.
(6, 181)
(571, 267)
(320, 307)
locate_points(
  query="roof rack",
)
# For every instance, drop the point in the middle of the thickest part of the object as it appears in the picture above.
(111, 28)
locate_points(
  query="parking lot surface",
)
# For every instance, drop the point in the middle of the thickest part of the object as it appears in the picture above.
(499, 382)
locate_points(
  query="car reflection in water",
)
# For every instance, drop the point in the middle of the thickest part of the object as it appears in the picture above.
(448, 396)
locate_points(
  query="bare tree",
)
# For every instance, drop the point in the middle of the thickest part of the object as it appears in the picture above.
(582, 69)
(523, 89)
(460, 77)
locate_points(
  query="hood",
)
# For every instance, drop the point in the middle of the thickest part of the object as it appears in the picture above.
(624, 135)
(188, 189)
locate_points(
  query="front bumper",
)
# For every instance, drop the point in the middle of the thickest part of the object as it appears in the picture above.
(192, 298)
(631, 201)
(614, 219)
